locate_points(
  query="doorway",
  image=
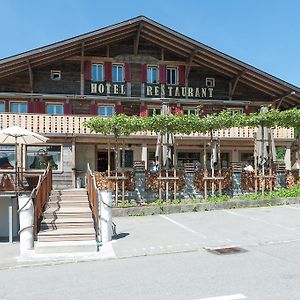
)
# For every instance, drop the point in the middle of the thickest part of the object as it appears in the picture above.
(102, 161)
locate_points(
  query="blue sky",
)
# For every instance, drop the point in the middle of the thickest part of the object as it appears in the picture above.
(262, 33)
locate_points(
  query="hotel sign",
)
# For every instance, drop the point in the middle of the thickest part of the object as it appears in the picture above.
(108, 89)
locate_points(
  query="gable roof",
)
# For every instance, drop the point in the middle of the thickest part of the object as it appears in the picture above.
(283, 93)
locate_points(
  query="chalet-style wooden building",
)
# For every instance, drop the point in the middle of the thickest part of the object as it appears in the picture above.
(132, 68)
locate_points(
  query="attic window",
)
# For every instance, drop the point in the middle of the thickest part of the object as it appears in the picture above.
(210, 82)
(55, 75)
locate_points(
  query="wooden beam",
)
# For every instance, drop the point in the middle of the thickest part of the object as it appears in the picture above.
(237, 78)
(107, 50)
(137, 39)
(188, 67)
(30, 76)
(82, 70)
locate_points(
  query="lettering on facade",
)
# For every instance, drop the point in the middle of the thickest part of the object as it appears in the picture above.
(178, 91)
(108, 88)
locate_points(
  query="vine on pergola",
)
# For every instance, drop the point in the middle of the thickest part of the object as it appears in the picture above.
(122, 125)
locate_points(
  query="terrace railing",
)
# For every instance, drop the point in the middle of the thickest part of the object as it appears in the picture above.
(73, 124)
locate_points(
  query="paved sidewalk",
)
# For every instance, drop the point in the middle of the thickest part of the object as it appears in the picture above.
(185, 232)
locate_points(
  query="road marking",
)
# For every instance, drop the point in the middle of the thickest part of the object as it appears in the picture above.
(184, 227)
(259, 220)
(228, 297)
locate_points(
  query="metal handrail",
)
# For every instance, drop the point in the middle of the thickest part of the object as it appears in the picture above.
(93, 198)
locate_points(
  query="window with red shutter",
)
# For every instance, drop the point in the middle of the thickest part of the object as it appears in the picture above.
(107, 71)
(143, 111)
(162, 73)
(127, 73)
(181, 71)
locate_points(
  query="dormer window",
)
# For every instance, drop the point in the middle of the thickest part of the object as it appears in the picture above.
(55, 75)
(210, 82)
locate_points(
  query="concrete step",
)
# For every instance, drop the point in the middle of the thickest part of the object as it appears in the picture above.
(52, 223)
(65, 247)
(68, 203)
(68, 212)
(70, 192)
(66, 234)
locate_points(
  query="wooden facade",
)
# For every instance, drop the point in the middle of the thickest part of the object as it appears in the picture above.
(132, 68)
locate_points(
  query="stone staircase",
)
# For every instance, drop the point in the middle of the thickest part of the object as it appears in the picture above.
(68, 225)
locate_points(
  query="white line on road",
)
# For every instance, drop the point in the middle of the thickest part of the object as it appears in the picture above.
(184, 227)
(259, 220)
(228, 297)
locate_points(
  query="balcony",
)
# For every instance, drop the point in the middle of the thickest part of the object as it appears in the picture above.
(73, 125)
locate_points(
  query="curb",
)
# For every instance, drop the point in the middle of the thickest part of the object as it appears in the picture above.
(183, 208)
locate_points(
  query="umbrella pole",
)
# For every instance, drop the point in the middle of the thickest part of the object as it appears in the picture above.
(16, 169)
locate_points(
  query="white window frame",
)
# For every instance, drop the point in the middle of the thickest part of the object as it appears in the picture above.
(210, 82)
(59, 170)
(105, 106)
(235, 110)
(150, 80)
(175, 69)
(57, 104)
(97, 73)
(18, 102)
(189, 109)
(152, 108)
(123, 73)
(2, 102)
(55, 75)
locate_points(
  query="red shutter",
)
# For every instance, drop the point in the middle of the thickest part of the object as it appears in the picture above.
(202, 111)
(143, 111)
(181, 71)
(40, 107)
(108, 71)
(67, 108)
(247, 111)
(87, 70)
(179, 110)
(162, 73)
(94, 109)
(144, 73)
(30, 106)
(127, 73)
(118, 109)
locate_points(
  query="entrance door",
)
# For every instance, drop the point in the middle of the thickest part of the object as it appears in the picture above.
(103, 161)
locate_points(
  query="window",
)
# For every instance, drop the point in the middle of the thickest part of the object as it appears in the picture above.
(235, 110)
(97, 72)
(152, 74)
(172, 75)
(7, 157)
(2, 107)
(55, 75)
(128, 159)
(190, 111)
(55, 109)
(106, 111)
(117, 73)
(38, 157)
(153, 112)
(18, 107)
(210, 82)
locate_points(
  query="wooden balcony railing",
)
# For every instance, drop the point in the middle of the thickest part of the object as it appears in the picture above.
(42, 193)
(93, 199)
(73, 124)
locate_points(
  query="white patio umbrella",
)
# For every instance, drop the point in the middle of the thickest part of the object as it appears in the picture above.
(17, 135)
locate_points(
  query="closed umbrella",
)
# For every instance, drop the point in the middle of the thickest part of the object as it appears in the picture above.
(17, 135)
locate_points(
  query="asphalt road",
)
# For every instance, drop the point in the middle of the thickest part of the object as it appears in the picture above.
(173, 262)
